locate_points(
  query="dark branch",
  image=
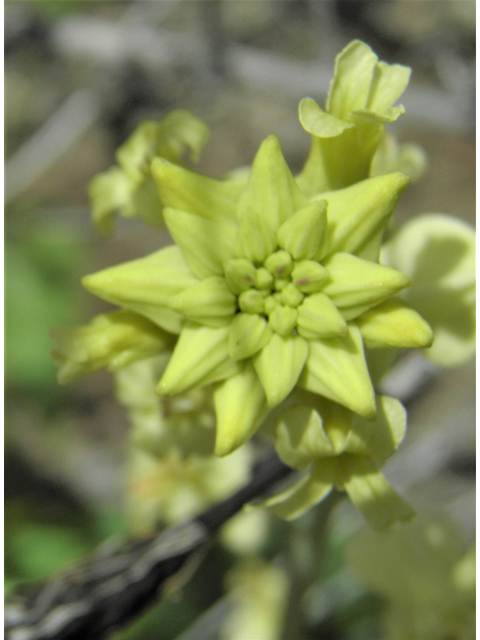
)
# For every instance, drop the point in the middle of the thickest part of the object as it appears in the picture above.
(117, 582)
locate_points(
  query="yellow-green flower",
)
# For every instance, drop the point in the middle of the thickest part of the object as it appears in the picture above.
(339, 449)
(426, 575)
(128, 188)
(268, 290)
(185, 423)
(347, 134)
(111, 340)
(437, 252)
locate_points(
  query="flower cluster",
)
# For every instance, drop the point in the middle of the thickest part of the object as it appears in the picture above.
(274, 288)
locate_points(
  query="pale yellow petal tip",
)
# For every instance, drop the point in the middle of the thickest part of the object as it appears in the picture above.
(226, 444)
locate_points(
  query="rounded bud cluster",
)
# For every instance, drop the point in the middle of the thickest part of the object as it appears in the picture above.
(283, 291)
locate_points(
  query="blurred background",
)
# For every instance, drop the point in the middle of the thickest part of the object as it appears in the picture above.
(79, 77)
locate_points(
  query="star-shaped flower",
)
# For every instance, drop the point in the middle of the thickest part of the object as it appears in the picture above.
(268, 290)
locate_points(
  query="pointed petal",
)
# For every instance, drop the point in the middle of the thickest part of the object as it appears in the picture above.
(209, 302)
(371, 493)
(318, 317)
(189, 191)
(248, 334)
(279, 364)
(237, 420)
(205, 245)
(198, 352)
(356, 285)
(358, 215)
(256, 239)
(389, 81)
(336, 369)
(350, 88)
(302, 234)
(271, 189)
(302, 499)
(146, 285)
(394, 324)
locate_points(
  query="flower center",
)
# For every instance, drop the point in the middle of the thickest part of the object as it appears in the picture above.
(276, 288)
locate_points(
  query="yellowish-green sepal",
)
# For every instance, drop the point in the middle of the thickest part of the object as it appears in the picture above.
(199, 351)
(248, 334)
(205, 245)
(188, 191)
(279, 364)
(318, 317)
(358, 215)
(394, 324)
(209, 302)
(336, 369)
(240, 407)
(271, 189)
(256, 239)
(302, 234)
(146, 285)
(356, 285)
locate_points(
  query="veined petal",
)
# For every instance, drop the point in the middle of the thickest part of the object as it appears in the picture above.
(389, 81)
(358, 215)
(189, 191)
(355, 285)
(112, 340)
(240, 407)
(336, 369)
(394, 324)
(302, 499)
(248, 334)
(302, 234)
(300, 437)
(146, 285)
(319, 123)
(318, 317)
(256, 239)
(380, 437)
(199, 350)
(350, 87)
(271, 188)
(279, 364)
(209, 302)
(371, 493)
(205, 244)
